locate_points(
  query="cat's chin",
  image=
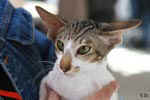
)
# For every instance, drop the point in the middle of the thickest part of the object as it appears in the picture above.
(57, 69)
(70, 74)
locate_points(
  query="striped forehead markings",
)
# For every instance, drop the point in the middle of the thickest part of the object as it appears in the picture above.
(79, 28)
(83, 31)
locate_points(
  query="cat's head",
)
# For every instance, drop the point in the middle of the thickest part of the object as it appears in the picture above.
(82, 42)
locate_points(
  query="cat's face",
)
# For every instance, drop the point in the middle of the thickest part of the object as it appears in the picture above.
(78, 44)
(82, 40)
(82, 43)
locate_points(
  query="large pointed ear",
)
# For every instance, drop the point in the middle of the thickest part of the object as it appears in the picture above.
(119, 26)
(52, 22)
(111, 33)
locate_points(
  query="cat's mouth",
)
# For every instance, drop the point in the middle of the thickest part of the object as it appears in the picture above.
(69, 70)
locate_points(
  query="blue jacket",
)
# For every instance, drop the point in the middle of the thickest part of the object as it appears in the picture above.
(25, 48)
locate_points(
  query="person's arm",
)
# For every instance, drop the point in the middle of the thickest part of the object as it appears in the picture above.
(21, 52)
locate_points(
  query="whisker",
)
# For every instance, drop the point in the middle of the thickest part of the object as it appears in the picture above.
(49, 62)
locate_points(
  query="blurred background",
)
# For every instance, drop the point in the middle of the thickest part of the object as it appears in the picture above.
(129, 62)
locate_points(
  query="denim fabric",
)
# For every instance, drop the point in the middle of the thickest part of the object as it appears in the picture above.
(25, 47)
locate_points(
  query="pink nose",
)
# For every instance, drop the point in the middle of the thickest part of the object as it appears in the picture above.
(65, 63)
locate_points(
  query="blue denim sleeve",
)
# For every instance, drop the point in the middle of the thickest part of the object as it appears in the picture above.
(22, 48)
(46, 47)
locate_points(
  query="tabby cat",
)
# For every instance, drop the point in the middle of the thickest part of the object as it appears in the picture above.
(81, 49)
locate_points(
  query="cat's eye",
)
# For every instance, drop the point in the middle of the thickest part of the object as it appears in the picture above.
(83, 50)
(60, 45)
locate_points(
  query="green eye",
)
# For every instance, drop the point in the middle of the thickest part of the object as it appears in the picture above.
(60, 45)
(83, 50)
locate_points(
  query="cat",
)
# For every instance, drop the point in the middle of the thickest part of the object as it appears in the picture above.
(81, 48)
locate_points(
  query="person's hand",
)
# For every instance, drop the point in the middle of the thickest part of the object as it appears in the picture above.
(53, 96)
(105, 93)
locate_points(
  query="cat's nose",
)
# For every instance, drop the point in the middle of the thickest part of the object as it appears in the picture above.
(66, 63)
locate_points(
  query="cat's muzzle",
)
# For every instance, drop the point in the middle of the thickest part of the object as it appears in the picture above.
(66, 64)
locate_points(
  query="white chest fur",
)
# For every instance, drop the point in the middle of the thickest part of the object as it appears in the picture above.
(80, 85)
